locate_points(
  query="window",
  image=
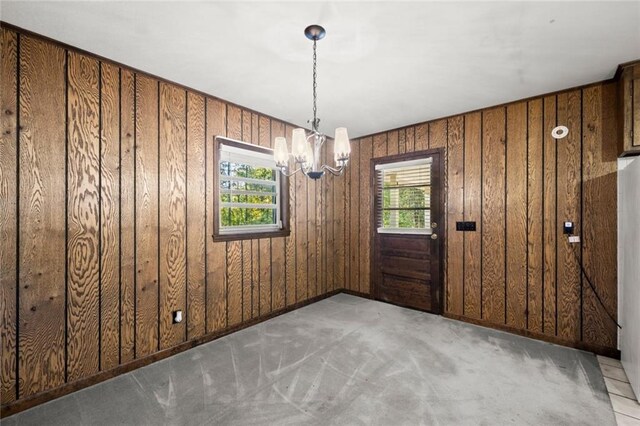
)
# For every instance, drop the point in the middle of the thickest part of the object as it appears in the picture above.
(250, 193)
(403, 197)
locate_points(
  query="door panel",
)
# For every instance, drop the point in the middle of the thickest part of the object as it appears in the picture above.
(407, 268)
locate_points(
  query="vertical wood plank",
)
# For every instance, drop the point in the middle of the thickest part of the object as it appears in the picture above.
(216, 120)
(599, 227)
(301, 237)
(109, 216)
(455, 212)
(311, 238)
(41, 207)
(569, 169)
(516, 216)
(8, 212)
(278, 272)
(83, 217)
(493, 215)
(473, 212)
(354, 222)
(438, 134)
(255, 244)
(146, 215)
(234, 248)
(196, 216)
(264, 130)
(379, 145)
(402, 141)
(366, 152)
(247, 270)
(330, 257)
(549, 198)
(421, 137)
(535, 234)
(393, 143)
(318, 210)
(127, 216)
(346, 199)
(410, 139)
(290, 242)
(173, 212)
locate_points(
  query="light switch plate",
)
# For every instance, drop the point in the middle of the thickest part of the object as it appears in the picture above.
(177, 317)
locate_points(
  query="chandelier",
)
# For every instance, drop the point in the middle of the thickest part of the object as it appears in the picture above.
(306, 146)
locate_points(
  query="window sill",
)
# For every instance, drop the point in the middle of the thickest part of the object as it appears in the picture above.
(240, 236)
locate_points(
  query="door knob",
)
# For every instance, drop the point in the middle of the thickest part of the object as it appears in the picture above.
(434, 236)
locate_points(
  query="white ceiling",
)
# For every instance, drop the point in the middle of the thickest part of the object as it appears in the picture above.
(381, 66)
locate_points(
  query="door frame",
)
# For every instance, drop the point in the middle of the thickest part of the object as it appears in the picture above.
(438, 213)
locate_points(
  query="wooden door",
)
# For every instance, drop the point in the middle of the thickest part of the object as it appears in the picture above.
(408, 231)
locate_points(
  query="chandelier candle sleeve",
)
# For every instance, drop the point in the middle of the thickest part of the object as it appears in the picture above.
(280, 152)
(342, 147)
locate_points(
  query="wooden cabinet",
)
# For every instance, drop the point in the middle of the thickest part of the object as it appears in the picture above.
(629, 108)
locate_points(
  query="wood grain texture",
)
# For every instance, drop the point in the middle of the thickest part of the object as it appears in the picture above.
(379, 145)
(8, 213)
(109, 216)
(493, 215)
(41, 209)
(346, 200)
(83, 216)
(473, 212)
(421, 137)
(402, 141)
(366, 153)
(196, 216)
(550, 217)
(147, 225)
(278, 272)
(318, 243)
(330, 255)
(290, 241)
(354, 221)
(599, 158)
(535, 234)
(516, 215)
(127, 216)
(312, 254)
(301, 243)
(255, 244)
(247, 276)
(438, 134)
(410, 139)
(216, 119)
(569, 199)
(234, 248)
(264, 138)
(454, 289)
(173, 213)
(393, 143)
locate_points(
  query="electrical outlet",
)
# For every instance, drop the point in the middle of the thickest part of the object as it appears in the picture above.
(574, 239)
(177, 317)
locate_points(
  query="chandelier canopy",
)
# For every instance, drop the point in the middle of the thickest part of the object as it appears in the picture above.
(306, 146)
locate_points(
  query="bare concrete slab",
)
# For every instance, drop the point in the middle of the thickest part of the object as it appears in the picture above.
(348, 360)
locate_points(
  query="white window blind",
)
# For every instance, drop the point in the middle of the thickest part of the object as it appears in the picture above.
(249, 190)
(403, 197)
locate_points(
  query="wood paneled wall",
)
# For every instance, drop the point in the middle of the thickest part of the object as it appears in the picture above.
(106, 219)
(506, 173)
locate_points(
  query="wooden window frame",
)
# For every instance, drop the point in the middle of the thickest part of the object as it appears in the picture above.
(285, 231)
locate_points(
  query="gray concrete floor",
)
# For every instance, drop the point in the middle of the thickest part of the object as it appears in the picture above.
(348, 360)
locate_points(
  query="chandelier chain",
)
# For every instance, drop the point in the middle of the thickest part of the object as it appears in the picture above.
(315, 86)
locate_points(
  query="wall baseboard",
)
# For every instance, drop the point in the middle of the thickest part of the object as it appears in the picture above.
(596, 349)
(67, 388)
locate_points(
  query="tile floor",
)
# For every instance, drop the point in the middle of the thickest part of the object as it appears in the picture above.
(625, 405)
